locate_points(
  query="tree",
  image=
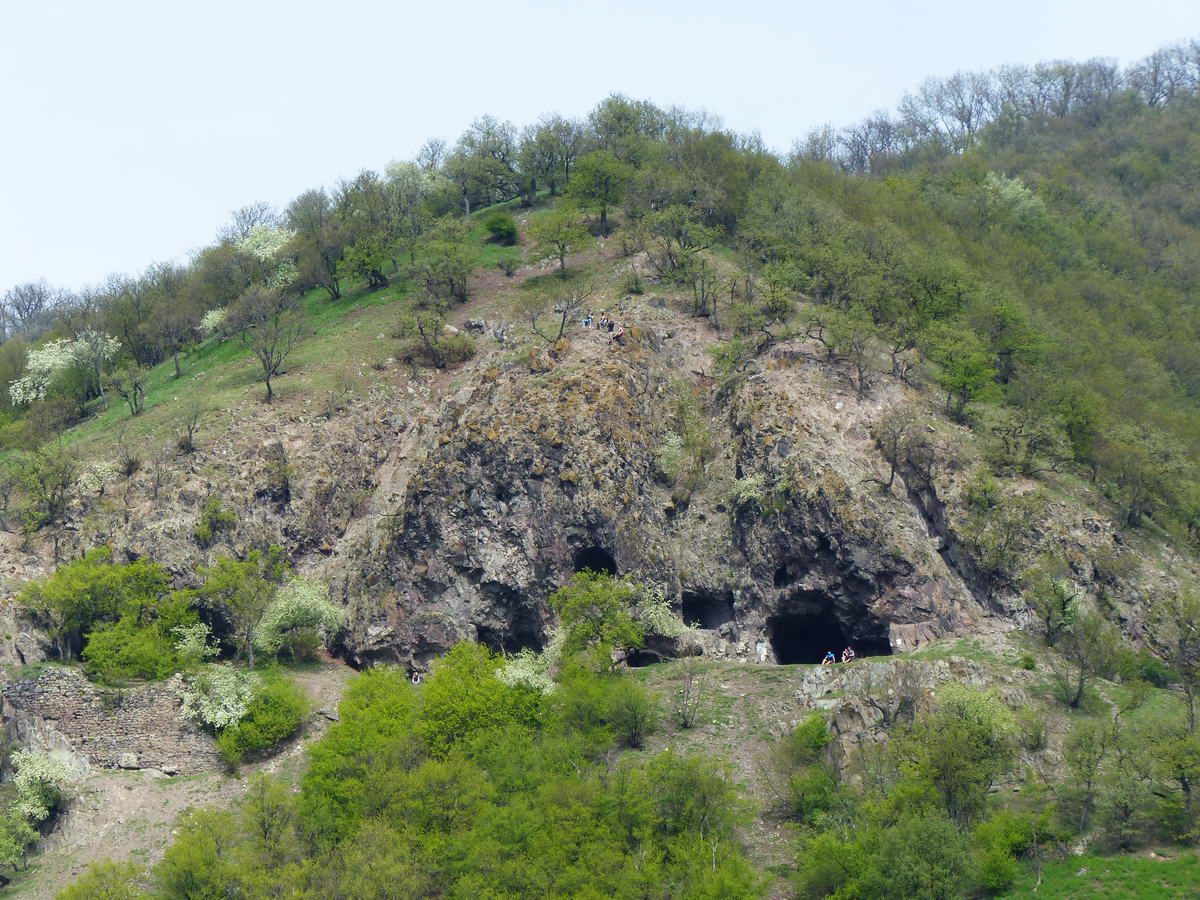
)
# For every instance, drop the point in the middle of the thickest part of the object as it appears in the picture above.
(599, 183)
(965, 369)
(555, 233)
(1176, 636)
(270, 323)
(1086, 651)
(129, 382)
(1054, 598)
(365, 258)
(893, 433)
(95, 350)
(595, 611)
(445, 262)
(426, 325)
(567, 308)
(107, 880)
(242, 592)
(25, 307)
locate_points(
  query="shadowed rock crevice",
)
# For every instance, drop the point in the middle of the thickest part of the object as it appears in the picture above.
(707, 609)
(595, 559)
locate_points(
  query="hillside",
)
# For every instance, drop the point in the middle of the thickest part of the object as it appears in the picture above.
(932, 396)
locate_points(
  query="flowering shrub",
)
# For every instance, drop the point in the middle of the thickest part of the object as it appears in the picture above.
(219, 695)
(40, 781)
(212, 320)
(42, 364)
(301, 605)
(191, 643)
(96, 477)
(92, 349)
(268, 245)
(654, 611)
(528, 668)
(749, 490)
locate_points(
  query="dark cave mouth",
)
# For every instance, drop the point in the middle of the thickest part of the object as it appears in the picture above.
(708, 610)
(595, 559)
(806, 637)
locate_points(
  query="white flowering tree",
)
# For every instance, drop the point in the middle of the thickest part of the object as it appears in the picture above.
(41, 782)
(301, 613)
(211, 321)
(219, 695)
(93, 350)
(270, 246)
(42, 365)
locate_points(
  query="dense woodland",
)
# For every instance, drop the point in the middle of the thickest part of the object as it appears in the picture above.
(1024, 241)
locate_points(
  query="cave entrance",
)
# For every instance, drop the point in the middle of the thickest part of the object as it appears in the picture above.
(805, 637)
(707, 609)
(597, 559)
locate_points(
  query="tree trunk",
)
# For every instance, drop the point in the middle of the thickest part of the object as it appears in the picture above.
(270, 392)
(175, 357)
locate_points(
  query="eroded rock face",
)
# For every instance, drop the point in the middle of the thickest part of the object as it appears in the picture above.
(526, 478)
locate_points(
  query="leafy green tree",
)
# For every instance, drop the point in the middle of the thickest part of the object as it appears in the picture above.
(365, 259)
(270, 323)
(555, 233)
(241, 591)
(1054, 598)
(1086, 651)
(595, 611)
(965, 370)
(445, 262)
(93, 591)
(960, 748)
(599, 183)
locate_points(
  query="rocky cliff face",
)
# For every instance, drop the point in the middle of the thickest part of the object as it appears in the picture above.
(448, 506)
(540, 468)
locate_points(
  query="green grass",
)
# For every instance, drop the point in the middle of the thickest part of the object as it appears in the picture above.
(342, 337)
(1136, 878)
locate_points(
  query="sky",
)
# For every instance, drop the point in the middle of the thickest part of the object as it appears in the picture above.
(130, 129)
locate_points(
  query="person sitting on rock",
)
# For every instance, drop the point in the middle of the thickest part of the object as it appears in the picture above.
(829, 659)
(848, 654)
(618, 336)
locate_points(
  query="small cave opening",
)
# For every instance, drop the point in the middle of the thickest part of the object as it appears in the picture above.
(707, 609)
(512, 623)
(596, 559)
(783, 576)
(805, 637)
(641, 658)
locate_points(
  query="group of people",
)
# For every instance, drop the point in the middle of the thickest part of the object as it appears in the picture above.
(616, 333)
(830, 659)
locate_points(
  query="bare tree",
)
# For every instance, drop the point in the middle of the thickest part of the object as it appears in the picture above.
(247, 218)
(26, 307)
(270, 323)
(893, 433)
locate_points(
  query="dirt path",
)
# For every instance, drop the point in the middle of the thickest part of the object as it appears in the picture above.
(132, 815)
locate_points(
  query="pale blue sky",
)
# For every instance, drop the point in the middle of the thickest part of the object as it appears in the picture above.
(130, 128)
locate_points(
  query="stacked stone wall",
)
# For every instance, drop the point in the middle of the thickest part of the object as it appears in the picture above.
(130, 728)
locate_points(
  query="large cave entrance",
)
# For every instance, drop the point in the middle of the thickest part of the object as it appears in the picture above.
(595, 559)
(805, 637)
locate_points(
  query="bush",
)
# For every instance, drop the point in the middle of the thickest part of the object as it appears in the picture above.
(274, 714)
(214, 519)
(1027, 662)
(219, 696)
(634, 711)
(297, 620)
(107, 880)
(1142, 665)
(123, 650)
(508, 264)
(501, 228)
(459, 348)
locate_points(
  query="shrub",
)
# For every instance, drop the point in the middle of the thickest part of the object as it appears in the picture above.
(458, 348)
(1142, 665)
(1032, 730)
(214, 519)
(107, 880)
(124, 649)
(40, 782)
(634, 711)
(298, 619)
(748, 491)
(274, 714)
(631, 281)
(1027, 662)
(508, 264)
(219, 695)
(501, 228)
